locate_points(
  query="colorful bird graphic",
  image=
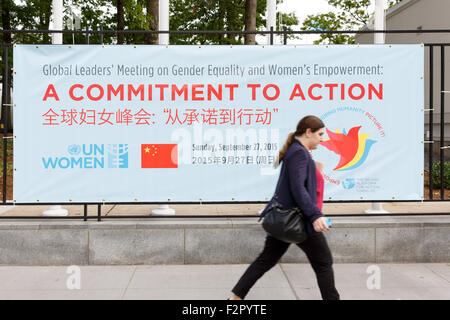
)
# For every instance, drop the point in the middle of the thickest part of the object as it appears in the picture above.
(353, 147)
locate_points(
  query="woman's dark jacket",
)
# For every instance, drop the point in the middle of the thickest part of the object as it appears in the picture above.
(299, 186)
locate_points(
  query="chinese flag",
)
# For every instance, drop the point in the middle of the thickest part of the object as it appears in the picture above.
(159, 156)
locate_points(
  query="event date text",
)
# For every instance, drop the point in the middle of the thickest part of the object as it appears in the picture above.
(234, 160)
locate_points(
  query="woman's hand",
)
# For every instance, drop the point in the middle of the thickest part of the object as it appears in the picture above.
(320, 224)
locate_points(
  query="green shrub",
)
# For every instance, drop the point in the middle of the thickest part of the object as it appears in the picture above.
(9, 165)
(437, 175)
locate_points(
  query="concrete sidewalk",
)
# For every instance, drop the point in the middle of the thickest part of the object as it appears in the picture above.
(213, 282)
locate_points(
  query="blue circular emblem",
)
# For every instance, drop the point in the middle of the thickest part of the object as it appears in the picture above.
(74, 149)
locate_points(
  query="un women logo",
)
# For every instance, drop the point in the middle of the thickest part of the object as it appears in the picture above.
(74, 149)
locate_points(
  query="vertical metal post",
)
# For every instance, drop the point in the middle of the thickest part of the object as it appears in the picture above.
(271, 7)
(379, 25)
(380, 21)
(99, 213)
(163, 39)
(101, 34)
(284, 35)
(163, 21)
(87, 34)
(85, 212)
(271, 35)
(57, 210)
(430, 126)
(57, 10)
(5, 117)
(442, 117)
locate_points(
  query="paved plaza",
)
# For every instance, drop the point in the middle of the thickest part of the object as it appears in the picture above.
(213, 282)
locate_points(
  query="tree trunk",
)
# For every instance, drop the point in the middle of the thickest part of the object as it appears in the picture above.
(46, 24)
(6, 23)
(250, 20)
(120, 21)
(221, 16)
(230, 22)
(6, 85)
(152, 20)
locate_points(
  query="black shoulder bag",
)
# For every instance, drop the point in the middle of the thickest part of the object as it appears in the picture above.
(285, 225)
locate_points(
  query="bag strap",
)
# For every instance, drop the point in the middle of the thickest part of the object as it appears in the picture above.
(277, 189)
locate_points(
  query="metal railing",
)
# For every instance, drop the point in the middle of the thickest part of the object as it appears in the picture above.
(272, 33)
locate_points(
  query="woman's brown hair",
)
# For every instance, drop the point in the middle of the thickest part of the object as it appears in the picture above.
(308, 122)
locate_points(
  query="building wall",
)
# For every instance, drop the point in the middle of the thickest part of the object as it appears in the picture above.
(416, 15)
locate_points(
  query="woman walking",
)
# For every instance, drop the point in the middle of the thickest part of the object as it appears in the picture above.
(298, 189)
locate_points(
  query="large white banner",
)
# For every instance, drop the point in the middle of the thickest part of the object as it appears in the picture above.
(194, 123)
